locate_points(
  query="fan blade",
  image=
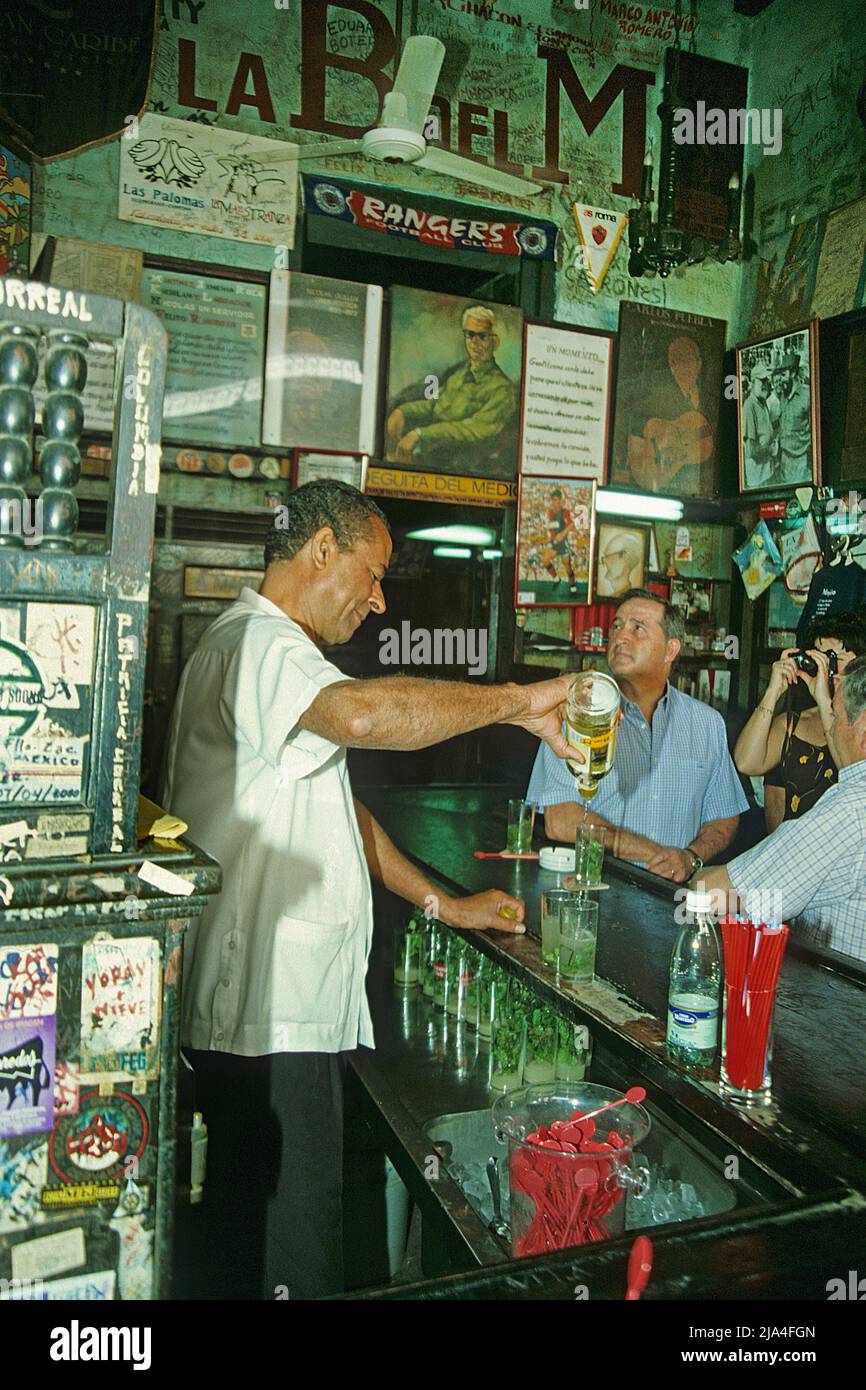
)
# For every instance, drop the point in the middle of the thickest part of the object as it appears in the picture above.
(415, 82)
(456, 167)
(325, 151)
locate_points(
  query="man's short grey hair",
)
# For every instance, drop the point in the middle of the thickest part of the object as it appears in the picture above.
(479, 311)
(326, 502)
(854, 689)
(672, 619)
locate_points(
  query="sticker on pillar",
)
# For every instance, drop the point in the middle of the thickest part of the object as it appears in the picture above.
(120, 1003)
(22, 698)
(28, 979)
(27, 1051)
(135, 1262)
(23, 1174)
(66, 1088)
(48, 1255)
(61, 637)
(107, 1135)
(40, 769)
(10, 624)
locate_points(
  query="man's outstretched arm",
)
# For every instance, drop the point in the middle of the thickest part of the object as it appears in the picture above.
(476, 913)
(407, 712)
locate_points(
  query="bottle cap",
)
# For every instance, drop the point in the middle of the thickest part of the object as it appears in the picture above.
(698, 901)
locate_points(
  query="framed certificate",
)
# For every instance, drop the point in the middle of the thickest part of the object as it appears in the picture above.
(216, 328)
(566, 401)
(322, 373)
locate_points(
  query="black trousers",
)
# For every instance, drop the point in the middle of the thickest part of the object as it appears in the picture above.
(271, 1220)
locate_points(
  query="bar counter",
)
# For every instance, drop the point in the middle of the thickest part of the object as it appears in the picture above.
(800, 1218)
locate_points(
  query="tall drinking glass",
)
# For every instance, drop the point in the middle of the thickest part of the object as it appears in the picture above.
(578, 937)
(521, 821)
(551, 902)
(589, 855)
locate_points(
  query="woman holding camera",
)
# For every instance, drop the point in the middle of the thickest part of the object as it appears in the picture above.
(794, 751)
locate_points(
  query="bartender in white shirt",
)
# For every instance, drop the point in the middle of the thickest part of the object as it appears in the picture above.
(274, 969)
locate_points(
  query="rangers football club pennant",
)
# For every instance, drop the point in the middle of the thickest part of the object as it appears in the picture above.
(380, 212)
(599, 230)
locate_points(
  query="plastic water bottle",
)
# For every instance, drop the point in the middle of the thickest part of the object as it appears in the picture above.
(695, 987)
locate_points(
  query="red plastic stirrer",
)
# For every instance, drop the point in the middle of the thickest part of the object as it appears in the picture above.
(634, 1096)
(640, 1263)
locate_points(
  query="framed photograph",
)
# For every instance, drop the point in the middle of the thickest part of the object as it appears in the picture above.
(623, 555)
(555, 534)
(322, 365)
(454, 373)
(694, 599)
(566, 401)
(216, 348)
(345, 468)
(778, 411)
(669, 388)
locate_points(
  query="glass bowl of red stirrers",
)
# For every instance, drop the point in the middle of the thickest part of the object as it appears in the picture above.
(570, 1154)
(753, 959)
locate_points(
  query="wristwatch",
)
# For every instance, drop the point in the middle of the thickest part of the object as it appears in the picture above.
(697, 861)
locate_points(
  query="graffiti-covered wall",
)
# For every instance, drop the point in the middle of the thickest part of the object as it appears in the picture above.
(566, 93)
(807, 64)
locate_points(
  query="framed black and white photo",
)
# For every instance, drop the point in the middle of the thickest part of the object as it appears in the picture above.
(565, 419)
(778, 411)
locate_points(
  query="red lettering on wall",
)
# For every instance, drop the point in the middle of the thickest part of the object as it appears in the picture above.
(500, 145)
(251, 65)
(631, 82)
(316, 59)
(186, 93)
(467, 126)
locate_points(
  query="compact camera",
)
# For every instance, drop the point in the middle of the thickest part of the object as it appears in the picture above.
(804, 662)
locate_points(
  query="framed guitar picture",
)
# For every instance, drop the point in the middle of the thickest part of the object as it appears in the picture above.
(669, 387)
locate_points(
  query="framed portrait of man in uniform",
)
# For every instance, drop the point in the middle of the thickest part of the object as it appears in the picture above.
(777, 406)
(668, 393)
(555, 542)
(454, 374)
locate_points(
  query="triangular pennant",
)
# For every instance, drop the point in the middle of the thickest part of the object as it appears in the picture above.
(599, 230)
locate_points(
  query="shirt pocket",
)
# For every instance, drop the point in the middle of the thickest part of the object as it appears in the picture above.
(695, 786)
(310, 971)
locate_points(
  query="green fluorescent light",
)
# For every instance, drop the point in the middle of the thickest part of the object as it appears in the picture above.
(491, 554)
(608, 503)
(456, 535)
(455, 552)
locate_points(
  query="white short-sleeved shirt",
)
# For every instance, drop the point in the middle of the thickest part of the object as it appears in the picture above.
(277, 961)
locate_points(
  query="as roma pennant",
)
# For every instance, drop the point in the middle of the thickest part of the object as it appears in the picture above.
(599, 230)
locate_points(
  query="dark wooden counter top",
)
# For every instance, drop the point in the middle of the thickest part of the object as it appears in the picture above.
(815, 1132)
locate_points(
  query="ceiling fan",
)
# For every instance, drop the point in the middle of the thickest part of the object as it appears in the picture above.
(398, 136)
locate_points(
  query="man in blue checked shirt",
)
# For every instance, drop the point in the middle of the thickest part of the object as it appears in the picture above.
(814, 868)
(672, 800)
